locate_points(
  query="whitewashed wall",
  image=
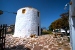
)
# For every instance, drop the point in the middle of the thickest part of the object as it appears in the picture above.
(27, 23)
(72, 24)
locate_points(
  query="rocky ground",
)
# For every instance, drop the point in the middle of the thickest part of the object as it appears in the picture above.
(44, 42)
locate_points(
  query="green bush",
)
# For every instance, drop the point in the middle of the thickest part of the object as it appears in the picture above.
(46, 32)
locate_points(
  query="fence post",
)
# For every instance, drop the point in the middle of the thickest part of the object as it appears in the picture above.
(2, 36)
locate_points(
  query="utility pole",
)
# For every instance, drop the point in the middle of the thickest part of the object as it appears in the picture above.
(72, 23)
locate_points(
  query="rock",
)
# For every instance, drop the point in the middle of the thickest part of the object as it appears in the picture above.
(54, 49)
(44, 42)
(37, 48)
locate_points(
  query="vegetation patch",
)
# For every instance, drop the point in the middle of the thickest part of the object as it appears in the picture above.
(46, 32)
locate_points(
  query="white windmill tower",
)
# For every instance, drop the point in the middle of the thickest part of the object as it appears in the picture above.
(27, 22)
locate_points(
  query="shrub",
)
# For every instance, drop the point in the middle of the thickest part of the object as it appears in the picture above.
(46, 32)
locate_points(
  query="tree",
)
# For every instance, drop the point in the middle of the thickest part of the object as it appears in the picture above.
(61, 22)
(56, 24)
(65, 19)
(65, 23)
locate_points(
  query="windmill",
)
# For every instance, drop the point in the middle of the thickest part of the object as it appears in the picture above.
(27, 22)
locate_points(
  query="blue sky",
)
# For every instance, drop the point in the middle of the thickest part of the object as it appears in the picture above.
(50, 10)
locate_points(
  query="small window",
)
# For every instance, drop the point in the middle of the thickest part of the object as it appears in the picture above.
(23, 11)
(38, 14)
